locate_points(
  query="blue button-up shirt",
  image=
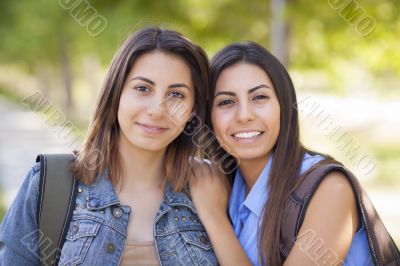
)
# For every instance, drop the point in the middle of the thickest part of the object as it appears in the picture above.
(246, 215)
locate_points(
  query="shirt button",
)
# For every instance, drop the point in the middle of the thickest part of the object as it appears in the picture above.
(80, 190)
(110, 248)
(203, 239)
(117, 212)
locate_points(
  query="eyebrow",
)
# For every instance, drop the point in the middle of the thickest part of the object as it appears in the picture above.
(248, 92)
(144, 79)
(175, 85)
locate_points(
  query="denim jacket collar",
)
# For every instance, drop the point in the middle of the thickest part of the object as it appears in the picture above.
(101, 194)
(178, 198)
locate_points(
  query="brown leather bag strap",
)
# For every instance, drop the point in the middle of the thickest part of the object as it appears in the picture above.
(382, 247)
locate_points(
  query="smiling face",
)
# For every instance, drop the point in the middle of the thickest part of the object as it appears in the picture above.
(246, 112)
(156, 101)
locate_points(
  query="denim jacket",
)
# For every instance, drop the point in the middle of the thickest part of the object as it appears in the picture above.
(98, 229)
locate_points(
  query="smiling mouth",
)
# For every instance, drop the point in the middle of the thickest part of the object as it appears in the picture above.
(152, 129)
(247, 134)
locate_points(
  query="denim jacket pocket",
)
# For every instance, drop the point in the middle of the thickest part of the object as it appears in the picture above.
(78, 241)
(199, 247)
(197, 238)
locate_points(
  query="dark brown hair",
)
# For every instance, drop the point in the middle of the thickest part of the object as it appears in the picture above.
(288, 151)
(100, 152)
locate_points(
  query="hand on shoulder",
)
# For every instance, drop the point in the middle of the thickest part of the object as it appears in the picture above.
(209, 189)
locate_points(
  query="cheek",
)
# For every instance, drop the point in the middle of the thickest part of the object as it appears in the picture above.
(218, 120)
(179, 112)
(275, 122)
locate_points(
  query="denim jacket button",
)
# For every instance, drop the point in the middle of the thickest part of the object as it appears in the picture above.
(117, 212)
(75, 228)
(80, 190)
(203, 239)
(110, 248)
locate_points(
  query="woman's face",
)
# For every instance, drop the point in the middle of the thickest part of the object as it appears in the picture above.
(245, 112)
(156, 101)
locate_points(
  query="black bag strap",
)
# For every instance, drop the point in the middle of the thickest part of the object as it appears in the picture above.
(57, 194)
(383, 249)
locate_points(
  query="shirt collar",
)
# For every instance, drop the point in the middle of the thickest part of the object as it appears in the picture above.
(257, 196)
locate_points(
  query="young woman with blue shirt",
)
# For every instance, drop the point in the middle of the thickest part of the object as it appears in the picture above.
(252, 111)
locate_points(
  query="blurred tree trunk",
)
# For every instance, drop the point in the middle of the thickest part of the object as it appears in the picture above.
(279, 30)
(92, 71)
(66, 77)
(43, 76)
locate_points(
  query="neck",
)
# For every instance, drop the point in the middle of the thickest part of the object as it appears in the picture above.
(141, 169)
(251, 170)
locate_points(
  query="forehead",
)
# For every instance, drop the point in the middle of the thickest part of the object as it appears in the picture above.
(242, 75)
(159, 63)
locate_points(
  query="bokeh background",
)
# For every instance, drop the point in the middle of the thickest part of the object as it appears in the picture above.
(343, 56)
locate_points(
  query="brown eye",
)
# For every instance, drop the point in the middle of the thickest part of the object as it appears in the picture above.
(260, 97)
(176, 94)
(225, 102)
(142, 89)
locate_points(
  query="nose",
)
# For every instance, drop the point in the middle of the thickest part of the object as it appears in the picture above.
(244, 113)
(156, 108)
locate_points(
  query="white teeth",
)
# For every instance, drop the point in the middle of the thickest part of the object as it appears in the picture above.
(247, 135)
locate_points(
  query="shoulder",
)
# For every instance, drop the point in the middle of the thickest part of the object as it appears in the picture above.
(334, 193)
(331, 218)
(30, 185)
(333, 205)
(333, 185)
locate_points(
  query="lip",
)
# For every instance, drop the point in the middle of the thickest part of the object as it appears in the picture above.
(151, 129)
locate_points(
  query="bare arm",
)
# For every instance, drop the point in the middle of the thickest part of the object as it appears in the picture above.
(329, 226)
(210, 193)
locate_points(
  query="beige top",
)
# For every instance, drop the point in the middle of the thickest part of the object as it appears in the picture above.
(140, 254)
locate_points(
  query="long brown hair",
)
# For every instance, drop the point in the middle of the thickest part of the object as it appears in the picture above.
(288, 150)
(99, 151)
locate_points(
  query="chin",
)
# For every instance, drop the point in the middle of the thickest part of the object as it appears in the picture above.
(250, 155)
(152, 146)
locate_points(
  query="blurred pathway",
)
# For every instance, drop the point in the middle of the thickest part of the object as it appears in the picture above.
(23, 135)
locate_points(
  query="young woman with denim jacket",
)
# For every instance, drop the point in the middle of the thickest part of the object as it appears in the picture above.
(253, 113)
(133, 168)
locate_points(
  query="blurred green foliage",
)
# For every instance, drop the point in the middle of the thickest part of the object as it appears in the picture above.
(34, 32)
(388, 158)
